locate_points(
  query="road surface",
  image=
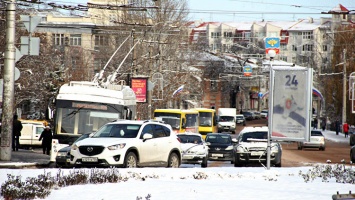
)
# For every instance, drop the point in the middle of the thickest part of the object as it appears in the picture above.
(292, 157)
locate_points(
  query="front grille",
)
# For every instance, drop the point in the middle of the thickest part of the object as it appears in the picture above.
(257, 149)
(91, 150)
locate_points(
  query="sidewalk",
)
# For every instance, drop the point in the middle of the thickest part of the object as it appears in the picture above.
(26, 159)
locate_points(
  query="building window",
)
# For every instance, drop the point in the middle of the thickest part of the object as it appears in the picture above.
(75, 62)
(325, 47)
(75, 40)
(214, 85)
(284, 58)
(58, 39)
(215, 34)
(98, 65)
(294, 48)
(101, 40)
(307, 35)
(307, 47)
(283, 47)
(273, 34)
(227, 34)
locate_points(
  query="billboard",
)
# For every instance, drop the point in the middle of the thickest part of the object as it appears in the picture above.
(140, 88)
(290, 103)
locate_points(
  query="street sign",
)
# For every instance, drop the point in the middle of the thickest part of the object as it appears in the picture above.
(272, 43)
(30, 22)
(247, 70)
(30, 46)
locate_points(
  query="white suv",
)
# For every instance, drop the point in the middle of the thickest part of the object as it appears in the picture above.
(252, 147)
(129, 143)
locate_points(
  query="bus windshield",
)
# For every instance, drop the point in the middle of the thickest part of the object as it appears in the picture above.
(173, 119)
(205, 119)
(84, 120)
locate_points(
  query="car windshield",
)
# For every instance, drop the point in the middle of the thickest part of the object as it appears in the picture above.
(190, 139)
(118, 131)
(248, 137)
(220, 139)
(226, 118)
(316, 133)
(247, 113)
(239, 117)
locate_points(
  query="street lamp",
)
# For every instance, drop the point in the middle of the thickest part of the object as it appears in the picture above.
(344, 86)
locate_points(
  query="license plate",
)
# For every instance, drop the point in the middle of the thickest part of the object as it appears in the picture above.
(217, 155)
(258, 153)
(188, 157)
(89, 159)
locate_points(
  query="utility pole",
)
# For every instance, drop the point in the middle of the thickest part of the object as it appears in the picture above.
(9, 79)
(344, 87)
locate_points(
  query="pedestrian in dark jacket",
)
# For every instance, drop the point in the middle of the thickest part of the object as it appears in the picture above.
(337, 127)
(46, 135)
(16, 133)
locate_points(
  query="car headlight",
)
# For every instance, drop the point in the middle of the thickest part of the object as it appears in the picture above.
(274, 148)
(240, 149)
(229, 147)
(219, 125)
(74, 147)
(62, 153)
(233, 125)
(117, 146)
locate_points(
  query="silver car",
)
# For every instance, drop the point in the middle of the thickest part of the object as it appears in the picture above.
(317, 140)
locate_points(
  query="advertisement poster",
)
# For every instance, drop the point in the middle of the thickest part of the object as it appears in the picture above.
(139, 86)
(291, 103)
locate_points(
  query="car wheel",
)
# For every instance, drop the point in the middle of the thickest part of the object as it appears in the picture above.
(204, 162)
(300, 147)
(352, 157)
(131, 160)
(237, 164)
(174, 161)
(278, 165)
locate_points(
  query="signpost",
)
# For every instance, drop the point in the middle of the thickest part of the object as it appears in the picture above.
(291, 100)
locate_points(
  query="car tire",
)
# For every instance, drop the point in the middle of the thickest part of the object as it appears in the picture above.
(237, 164)
(204, 162)
(322, 148)
(278, 164)
(174, 161)
(131, 160)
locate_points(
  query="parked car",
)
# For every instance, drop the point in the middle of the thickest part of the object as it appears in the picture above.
(248, 115)
(264, 113)
(352, 154)
(252, 147)
(194, 149)
(317, 140)
(220, 147)
(257, 115)
(62, 158)
(129, 143)
(240, 119)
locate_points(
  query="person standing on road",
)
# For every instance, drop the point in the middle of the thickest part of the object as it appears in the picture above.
(46, 135)
(346, 129)
(16, 133)
(337, 127)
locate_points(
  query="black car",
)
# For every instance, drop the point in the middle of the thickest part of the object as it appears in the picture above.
(352, 154)
(63, 155)
(221, 147)
(248, 115)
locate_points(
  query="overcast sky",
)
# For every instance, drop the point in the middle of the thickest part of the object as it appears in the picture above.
(256, 10)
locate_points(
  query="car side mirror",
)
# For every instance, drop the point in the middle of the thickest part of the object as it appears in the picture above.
(147, 136)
